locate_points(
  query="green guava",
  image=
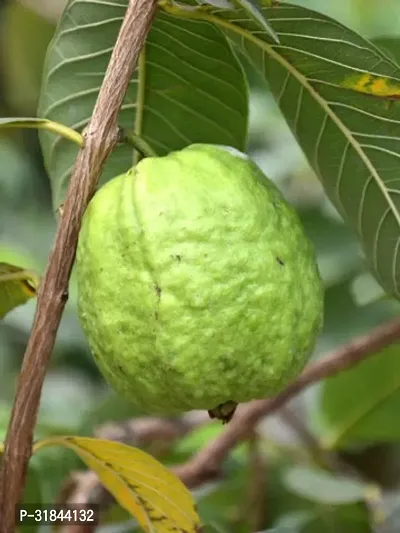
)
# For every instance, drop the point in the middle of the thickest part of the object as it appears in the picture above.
(197, 286)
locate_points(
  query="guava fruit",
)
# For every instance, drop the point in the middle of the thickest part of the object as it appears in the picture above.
(197, 286)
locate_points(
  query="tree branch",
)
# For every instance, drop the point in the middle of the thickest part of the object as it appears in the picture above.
(100, 138)
(206, 464)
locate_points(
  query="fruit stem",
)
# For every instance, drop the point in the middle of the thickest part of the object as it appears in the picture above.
(142, 146)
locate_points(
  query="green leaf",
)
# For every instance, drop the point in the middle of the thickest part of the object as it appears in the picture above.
(390, 45)
(362, 405)
(365, 289)
(189, 86)
(252, 9)
(25, 35)
(351, 518)
(323, 487)
(338, 93)
(17, 286)
(293, 508)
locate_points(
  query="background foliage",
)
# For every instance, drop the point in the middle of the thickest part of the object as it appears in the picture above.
(353, 416)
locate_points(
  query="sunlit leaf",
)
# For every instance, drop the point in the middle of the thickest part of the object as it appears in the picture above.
(349, 518)
(323, 487)
(351, 139)
(189, 86)
(144, 487)
(391, 512)
(17, 286)
(365, 289)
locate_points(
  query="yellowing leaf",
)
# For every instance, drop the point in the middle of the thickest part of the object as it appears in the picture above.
(144, 487)
(381, 86)
(17, 286)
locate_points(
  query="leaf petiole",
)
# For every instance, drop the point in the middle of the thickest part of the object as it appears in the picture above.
(142, 146)
(43, 124)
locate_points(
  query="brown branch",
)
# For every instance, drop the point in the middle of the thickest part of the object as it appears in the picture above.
(100, 138)
(207, 463)
(255, 509)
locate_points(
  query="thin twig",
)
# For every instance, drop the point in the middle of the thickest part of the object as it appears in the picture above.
(255, 510)
(206, 464)
(100, 138)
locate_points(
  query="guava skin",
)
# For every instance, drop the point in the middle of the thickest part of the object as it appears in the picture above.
(196, 282)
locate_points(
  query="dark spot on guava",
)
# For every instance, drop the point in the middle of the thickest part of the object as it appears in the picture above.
(177, 257)
(156, 315)
(227, 363)
(158, 290)
(120, 368)
(280, 261)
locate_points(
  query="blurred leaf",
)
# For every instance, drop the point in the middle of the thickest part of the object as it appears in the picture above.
(365, 289)
(352, 518)
(323, 487)
(344, 320)
(197, 439)
(111, 408)
(350, 138)
(337, 249)
(362, 404)
(292, 522)
(224, 506)
(23, 42)
(188, 87)
(391, 512)
(17, 286)
(151, 493)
